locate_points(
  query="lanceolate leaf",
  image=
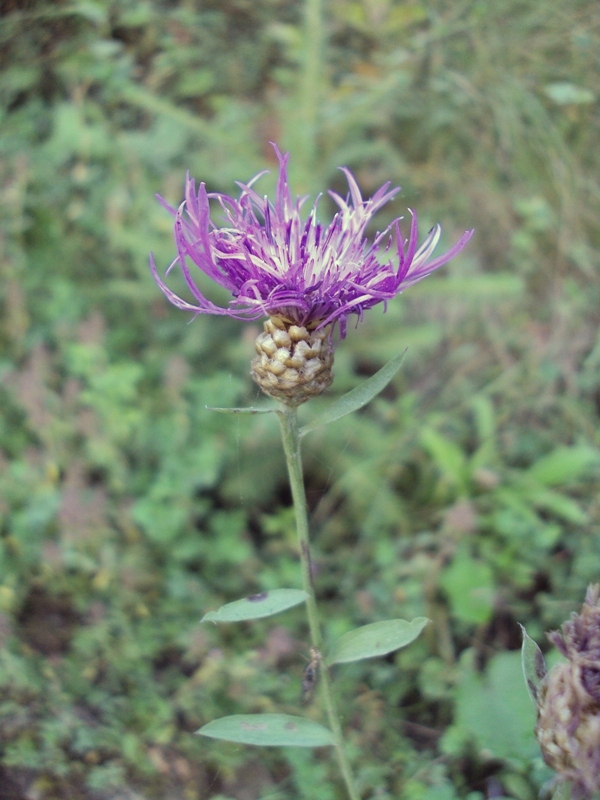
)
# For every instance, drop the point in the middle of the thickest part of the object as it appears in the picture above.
(269, 730)
(376, 639)
(558, 504)
(565, 465)
(534, 666)
(356, 398)
(264, 604)
(447, 455)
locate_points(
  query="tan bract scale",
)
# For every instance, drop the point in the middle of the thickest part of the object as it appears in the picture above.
(292, 363)
(568, 728)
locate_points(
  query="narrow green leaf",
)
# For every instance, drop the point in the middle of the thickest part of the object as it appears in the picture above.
(358, 397)
(248, 410)
(269, 730)
(564, 93)
(448, 456)
(139, 96)
(485, 416)
(376, 639)
(534, 665)
(564, 465)
(564, 507)
(264, 604)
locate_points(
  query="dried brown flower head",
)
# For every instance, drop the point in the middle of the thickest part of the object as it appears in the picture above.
(568, 726)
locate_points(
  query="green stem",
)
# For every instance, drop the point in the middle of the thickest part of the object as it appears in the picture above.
(312, 77)
(288, 418)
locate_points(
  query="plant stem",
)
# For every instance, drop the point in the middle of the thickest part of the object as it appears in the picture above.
(312, 77)
(288, 418)
(301, 112)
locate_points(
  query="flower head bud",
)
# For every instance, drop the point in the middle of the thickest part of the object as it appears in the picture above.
(568, 726)
(292, 363)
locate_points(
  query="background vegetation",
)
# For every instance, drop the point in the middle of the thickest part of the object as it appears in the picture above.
(468, 493)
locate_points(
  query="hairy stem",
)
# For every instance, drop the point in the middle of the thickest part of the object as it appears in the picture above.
(288, 419)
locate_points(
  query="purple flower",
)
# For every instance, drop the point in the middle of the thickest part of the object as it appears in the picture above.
(274, 263)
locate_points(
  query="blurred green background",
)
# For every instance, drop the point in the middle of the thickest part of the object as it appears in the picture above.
(468, 492)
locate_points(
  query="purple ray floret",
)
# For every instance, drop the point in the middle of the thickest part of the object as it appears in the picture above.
(274, 262)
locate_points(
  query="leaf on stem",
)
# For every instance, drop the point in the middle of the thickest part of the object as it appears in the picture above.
(534, 666)
(358, 397)
(269, 730)
(264, 604)
(376, 639)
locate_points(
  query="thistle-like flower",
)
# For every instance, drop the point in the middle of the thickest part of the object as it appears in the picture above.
(306, 277)
(568, 726)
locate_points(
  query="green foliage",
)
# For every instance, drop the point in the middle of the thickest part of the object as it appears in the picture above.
(269, 730)
(264, 604)
(466, 492)
(494, 712)
(358, 397)
(534, 665)
(469, 584)
(376, 639)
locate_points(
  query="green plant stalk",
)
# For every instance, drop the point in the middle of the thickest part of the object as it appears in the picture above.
(288, 418)
(311, 83)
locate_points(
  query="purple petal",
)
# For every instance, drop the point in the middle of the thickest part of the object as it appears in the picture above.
(273, 261)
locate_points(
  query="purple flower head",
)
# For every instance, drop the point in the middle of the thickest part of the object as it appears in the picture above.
(275, 263)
